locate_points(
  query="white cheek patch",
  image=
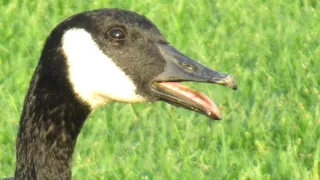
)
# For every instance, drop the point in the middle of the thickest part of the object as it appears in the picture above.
(94, 76)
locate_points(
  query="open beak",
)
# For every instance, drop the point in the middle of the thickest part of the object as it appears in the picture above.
(181, 68)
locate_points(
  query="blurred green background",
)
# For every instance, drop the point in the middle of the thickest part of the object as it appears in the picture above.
(270, 127)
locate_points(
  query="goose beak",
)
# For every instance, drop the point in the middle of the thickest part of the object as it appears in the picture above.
(181, 68)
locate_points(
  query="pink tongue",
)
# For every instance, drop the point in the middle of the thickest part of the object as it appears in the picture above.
(195, 96)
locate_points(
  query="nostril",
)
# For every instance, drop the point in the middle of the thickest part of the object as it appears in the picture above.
(188, 66)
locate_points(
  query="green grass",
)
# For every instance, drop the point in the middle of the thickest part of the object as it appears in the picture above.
(271, 125)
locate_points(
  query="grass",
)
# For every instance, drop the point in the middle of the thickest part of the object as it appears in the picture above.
(271, 124)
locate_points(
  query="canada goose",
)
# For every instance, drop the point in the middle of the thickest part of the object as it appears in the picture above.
(88, 60)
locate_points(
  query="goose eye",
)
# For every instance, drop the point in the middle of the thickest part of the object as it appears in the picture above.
(117, 34)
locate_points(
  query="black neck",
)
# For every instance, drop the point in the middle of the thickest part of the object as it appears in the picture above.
(51, 120)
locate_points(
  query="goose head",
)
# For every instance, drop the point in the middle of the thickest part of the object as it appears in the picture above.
(116, 55)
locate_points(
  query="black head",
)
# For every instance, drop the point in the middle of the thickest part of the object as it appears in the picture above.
(117, 55)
